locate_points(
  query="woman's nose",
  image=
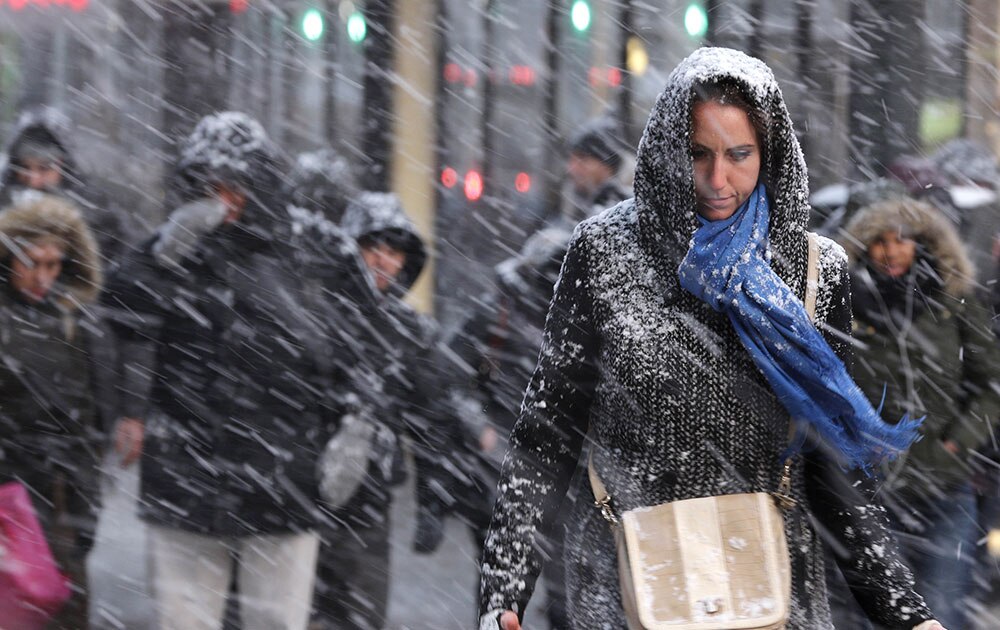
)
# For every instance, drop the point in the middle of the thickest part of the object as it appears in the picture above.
(717, 176)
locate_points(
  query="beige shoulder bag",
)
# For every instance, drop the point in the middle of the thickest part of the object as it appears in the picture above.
(712, 563)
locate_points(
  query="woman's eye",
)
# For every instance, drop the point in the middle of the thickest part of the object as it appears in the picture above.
(739, 156)
(698, 153)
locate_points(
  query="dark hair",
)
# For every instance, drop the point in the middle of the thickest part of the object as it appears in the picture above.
(728, 91)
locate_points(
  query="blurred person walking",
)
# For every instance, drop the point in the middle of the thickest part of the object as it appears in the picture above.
(57, 378)
(926, 349)
(41, 158)
(353, 582)
(593, 168)
(247, 382)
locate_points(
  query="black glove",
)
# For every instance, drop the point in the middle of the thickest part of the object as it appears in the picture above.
(430, 529)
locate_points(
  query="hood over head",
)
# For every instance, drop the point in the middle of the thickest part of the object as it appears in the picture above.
(380, 216)
(924, 224)
(322, 182)
(664, 176)
(42, 131)
(46, 216)
(232, 147)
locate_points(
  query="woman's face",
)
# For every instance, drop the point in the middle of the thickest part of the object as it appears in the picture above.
(892, 253)
(726, 158)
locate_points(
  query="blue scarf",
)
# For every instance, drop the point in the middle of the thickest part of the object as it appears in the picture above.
(727, 267)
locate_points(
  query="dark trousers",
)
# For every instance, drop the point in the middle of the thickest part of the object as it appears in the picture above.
(352, 575)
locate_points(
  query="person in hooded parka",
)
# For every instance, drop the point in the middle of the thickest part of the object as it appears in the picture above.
(353, 584)
(248, 379)
(926, 346)
(499, 340)
(57, 378)
(642, 359)
(41, 157)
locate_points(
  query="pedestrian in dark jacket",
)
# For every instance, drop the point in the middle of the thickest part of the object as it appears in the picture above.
(500, 340)
(40, 158)
(57, 388)
(641, 353)
(248, 383)
(592, 169)
(354, 567)
(926, 346)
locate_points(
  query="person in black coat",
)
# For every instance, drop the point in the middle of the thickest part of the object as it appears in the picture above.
(242, 375)
(58, 397)
(660, 386)
(354, 566)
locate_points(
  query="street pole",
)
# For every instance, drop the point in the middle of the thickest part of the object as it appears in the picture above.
(376, 138)
(627, 20)
(486, 57)
(550, 118)
(330, 75)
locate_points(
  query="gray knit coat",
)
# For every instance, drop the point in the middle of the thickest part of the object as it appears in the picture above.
(670, 400)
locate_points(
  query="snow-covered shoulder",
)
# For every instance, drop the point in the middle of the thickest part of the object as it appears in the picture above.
(832, 273)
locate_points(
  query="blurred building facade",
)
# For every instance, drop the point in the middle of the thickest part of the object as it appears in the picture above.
(493, 86)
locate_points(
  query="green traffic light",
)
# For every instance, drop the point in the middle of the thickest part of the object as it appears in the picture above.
(312, 25)
(580, 15)
(695, 20)
(356, 27)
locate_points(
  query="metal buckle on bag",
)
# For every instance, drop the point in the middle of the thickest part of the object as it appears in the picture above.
(605, 506)
(784, 494)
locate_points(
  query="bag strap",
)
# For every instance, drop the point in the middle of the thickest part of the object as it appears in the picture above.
(602, 500)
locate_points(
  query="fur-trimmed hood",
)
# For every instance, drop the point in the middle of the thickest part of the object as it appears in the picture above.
(924, 224)
(45, 216)
(664, 176)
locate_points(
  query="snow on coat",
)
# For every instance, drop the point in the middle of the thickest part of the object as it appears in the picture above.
(669, 397)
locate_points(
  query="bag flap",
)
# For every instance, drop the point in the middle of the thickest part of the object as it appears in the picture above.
(731, 571)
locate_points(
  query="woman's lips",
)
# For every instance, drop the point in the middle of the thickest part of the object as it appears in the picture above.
(718, 204)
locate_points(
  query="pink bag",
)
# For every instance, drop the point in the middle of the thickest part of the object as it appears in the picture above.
(32, 590)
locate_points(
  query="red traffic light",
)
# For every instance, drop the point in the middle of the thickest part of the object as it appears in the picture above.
(522, 182)
(473, 185)
(449, 177)
(238, 6)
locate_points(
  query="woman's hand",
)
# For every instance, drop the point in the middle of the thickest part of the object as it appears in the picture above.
(508, 621)
(929, 625)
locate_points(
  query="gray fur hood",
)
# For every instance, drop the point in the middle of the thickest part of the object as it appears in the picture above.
(924, 224)
(664, 182)
(376, 213)
(46, 215)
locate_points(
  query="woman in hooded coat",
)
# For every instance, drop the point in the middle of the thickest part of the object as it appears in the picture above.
(670, 393)
(926, 343)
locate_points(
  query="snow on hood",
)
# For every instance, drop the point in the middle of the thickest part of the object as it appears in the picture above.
(963, 161)
(377, 213)
(664, 183)
(322, 182)
(233, 147)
